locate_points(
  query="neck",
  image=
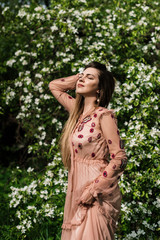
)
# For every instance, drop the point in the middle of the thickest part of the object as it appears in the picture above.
(89, 104)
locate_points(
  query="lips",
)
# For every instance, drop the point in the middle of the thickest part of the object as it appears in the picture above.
(80, 85)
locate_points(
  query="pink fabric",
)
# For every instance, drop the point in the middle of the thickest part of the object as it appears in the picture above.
(98, 159)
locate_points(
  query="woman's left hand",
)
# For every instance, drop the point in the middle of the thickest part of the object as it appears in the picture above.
(86, 198)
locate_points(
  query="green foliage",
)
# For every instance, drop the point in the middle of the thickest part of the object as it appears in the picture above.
(39, 45)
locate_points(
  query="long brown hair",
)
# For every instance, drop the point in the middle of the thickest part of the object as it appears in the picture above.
(106, 87)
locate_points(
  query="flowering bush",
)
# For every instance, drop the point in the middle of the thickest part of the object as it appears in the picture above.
(42, 196)
(39, 45)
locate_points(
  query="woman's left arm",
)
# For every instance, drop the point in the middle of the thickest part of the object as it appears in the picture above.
(107, 181)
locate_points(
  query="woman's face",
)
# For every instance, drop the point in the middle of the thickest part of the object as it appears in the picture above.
(87, 84)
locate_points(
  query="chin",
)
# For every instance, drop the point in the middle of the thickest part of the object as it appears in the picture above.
(77, 92)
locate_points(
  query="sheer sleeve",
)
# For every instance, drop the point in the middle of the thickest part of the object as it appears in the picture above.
(59, 87)
(107, 181)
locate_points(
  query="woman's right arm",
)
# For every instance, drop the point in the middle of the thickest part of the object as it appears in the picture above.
(59, 86)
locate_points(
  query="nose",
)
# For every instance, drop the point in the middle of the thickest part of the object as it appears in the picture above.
(81, 78)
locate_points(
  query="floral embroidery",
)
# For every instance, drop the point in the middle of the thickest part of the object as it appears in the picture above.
(109, 141)
(62, 79)
(72, 144)
(112, 115)
(123, 163)
(91, 130)
(87, 119)
(93, 124)
(104, 174)
(80, 128)
(101, 109)
(76, 150)
(114, 166)
(118, 132)
(121, 144)
(90, 139)
(96, 181)
(113, 156)
(99, 135)
(70, 97)
(80, 136)
(93, 154)
(95, 115)
(80, 145)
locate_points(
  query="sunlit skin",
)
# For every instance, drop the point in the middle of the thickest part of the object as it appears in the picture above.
(89, 79)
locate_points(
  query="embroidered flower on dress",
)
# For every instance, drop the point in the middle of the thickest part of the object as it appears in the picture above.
(93, 154)
(99, 135)
(109, 141)
(80, 128)
(114, 166)
(90, 139)
(70, 97)
(113, 156)
(80, 136)
(80, 145)
(76, 150)
(96, 181)
(104, 174)
(95, 115)
(91, 130)
(112, 115)
(87, 119)
(93, 124)
(72, 144)
(62, 79)
(101, 109)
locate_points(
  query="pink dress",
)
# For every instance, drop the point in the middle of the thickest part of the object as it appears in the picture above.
(98, 159)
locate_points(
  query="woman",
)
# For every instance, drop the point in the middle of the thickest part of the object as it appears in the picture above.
(89, 137)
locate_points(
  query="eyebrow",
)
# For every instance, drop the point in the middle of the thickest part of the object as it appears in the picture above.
(89, 74)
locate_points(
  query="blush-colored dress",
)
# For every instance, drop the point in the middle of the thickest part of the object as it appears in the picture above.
(98, 159)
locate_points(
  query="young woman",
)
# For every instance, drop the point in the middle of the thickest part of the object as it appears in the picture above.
(93, 153)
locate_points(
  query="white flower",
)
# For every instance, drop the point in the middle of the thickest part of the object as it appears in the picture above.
(45, 69)
(38, 9)
(27, 80)
(31, 208)
(57, 190)
(54, 28)
(53, 142)
(30, 169)
(4, 10)
(54, 120)
(38, 75)
(37, 100)
(49, 173)
(17, 53)
(47, 181)
(10, 62)
(28, 225)
(21, 13)
(24, 62)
